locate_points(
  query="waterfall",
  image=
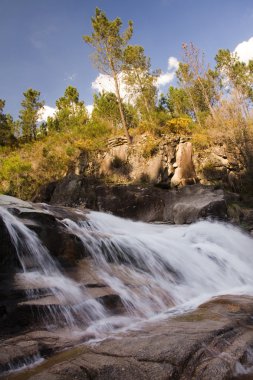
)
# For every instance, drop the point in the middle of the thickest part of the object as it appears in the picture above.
(171, 268)
(155, 270)
(40, 270)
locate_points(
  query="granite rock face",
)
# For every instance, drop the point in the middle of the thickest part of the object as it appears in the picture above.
(185, 171)
(169, 161)
(145, 203)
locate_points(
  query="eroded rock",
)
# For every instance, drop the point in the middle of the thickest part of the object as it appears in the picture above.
(146, 203)
(185, 171)
(208, 343)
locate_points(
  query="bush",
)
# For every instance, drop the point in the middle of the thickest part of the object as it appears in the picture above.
(180, 125)
(15, 175)
(200, 140)
(150, 148)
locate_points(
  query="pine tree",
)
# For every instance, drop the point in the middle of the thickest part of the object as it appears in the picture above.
(6, 127)
(109, 46)
(139, 79)
(29, 115)
(70, 111)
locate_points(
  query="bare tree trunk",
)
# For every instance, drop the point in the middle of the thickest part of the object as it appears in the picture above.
(207, 99)
(144, 98)
(188, 92)
(129, 138)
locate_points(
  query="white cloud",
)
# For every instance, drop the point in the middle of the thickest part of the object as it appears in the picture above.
(166, 78)
(105, 83)
(244, 50)
(45, 112)
(173, 63)
(90, 108)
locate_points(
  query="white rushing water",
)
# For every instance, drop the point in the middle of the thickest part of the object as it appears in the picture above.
(180, 266)
(154, 269)
(41, 271)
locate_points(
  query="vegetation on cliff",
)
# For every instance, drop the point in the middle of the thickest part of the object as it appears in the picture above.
(209, 105)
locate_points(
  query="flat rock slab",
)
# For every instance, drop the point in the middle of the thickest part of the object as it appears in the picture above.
(209, 343)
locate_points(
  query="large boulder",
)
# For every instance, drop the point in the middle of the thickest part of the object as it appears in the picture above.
(193, 203)
(145, 203)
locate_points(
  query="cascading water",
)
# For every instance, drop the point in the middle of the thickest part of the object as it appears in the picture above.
(154, 269)
(171, 268)
(40, 270)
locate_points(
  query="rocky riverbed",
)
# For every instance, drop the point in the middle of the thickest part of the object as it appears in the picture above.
(152, 323)
(213, 342)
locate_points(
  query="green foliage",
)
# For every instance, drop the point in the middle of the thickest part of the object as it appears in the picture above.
(178, 102)
(71, 112)
(109, 44)
(6, 127)
(151, 147)
(235, 74)
(70, 151)
(29, 114)
(198, 82)
(95, 130)
(15, 172)
(141, 83)
(106, 109)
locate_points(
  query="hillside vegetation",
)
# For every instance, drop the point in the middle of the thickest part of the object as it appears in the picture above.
(208, 105)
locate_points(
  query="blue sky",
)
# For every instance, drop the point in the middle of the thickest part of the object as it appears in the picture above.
(42, 47)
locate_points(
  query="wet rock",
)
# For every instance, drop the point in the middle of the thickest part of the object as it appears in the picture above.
(46, 221)
(201, 203)
(16, 351)
(208, 343)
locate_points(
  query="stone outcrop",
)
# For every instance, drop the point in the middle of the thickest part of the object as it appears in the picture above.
(184, 172)
(218, 164)
(146, 203)
(170, 161)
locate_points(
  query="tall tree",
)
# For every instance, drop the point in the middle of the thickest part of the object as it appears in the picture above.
(139, 79)
(70, 111)
(236, 78)
(198, 81)
(6, 127)
(30, 114)
(109, 44)
(178, 102)
(106, 109)
(203, 76)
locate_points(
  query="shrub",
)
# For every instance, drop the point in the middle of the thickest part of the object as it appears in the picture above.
(200, 140)
(14, 175)
(179, 125)
(150, 148)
